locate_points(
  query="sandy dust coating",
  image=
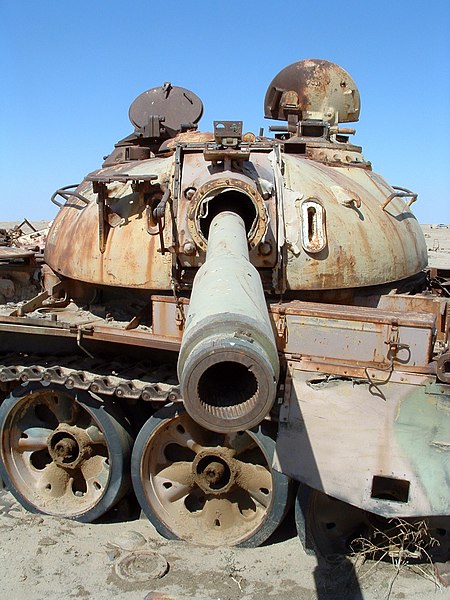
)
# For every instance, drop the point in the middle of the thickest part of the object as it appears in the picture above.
(124, 557)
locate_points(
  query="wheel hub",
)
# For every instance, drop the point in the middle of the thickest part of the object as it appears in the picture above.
(214, 472)
(68, 446)
(66, 449)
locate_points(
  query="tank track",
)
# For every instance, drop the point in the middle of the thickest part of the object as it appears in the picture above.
(120, 378)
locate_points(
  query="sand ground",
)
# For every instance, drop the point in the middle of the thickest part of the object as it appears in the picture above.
(124, 557)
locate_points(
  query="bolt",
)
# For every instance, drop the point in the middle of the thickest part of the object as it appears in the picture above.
(189, 248)
(189, 192)
(214, 472)
(265, 248)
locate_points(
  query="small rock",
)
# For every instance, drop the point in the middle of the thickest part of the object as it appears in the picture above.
(131, 540)
(47, 541)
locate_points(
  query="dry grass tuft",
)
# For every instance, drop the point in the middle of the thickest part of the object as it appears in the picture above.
(407, 544)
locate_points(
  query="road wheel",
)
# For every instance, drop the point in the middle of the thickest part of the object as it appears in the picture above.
(211, 489)
(63, 452)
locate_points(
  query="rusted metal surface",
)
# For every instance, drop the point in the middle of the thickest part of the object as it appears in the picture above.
(400, 192)
(10, 253)
(240, 253)
(421, 303)
(189, 137)
(361, 244)
(132, 338)
(60, 452)
(443, 367)
(73, 249)
(100, 331)
(223, 186)
(19, 274)
(200, 486)
(352, 436)
(313, 89)
(164, 111)
(202, 181)
(168, 316)
(25, 235)
(365, 245)
(355, 336)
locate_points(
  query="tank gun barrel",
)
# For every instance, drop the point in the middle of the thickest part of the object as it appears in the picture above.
(228, 364)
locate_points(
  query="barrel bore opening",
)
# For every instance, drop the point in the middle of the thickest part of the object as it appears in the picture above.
(227, 385)
(233, 201)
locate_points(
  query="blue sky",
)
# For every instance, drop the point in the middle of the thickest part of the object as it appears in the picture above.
(70, 71)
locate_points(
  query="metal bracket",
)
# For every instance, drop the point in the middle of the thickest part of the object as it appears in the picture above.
(101, 190)
(228, 133)
(394, 344)
(177, 176)
(100, 187)
(38, 302)
(124, 178)
(79, 344)
(281, 325)
(285, 400)
(438, 389)
(279, 272)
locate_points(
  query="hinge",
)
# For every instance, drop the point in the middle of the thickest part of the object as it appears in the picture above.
(285, 399)
(281, 325)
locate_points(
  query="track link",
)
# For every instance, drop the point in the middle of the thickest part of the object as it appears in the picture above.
(121, 378)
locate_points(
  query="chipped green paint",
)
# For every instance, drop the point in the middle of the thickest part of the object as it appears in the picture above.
(422, 431)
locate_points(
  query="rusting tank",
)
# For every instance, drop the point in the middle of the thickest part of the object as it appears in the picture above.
(226, 315)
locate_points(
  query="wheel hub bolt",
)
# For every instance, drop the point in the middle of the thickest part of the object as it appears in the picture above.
(214, 472)
(66, 448)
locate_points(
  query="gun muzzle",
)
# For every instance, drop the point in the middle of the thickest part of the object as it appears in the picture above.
(228, 364)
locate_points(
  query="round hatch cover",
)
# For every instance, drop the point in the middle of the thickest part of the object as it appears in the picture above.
(177, 106)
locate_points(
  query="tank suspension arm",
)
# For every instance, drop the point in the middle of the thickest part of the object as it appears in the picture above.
(228, 364)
